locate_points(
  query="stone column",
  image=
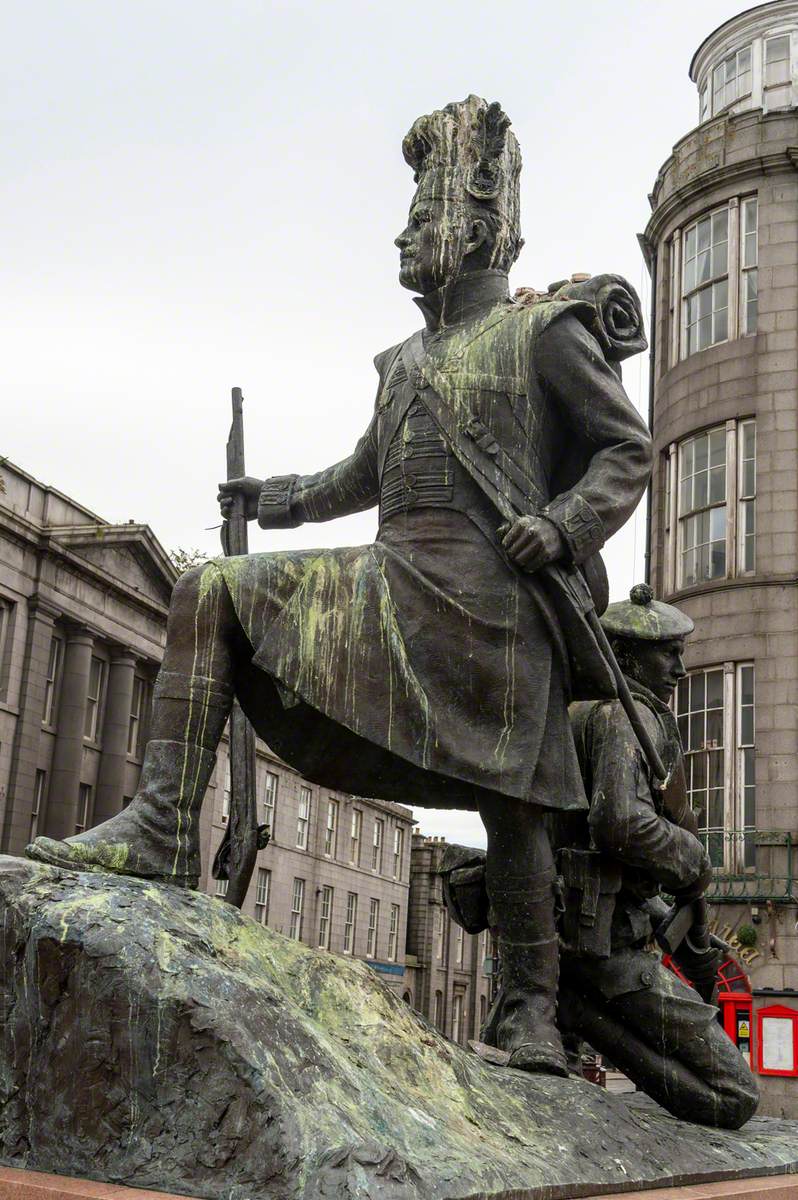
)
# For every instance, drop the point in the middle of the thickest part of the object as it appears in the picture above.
(111, 775)
(62, 805)
(27, 735)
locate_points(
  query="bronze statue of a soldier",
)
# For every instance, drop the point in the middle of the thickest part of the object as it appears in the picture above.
(434, 666)
(635, 840)
(638, 840)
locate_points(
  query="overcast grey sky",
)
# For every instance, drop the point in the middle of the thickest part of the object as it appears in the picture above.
(205, 194)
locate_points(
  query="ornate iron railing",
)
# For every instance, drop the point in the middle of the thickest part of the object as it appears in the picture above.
(753, 866)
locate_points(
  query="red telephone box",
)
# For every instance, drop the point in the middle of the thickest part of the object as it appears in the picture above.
(734, 1001)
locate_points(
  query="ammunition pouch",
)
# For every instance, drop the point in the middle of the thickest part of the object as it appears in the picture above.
(591, 883)
(464, 892)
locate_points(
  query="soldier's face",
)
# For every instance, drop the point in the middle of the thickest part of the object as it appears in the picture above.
(659, 666)
(431, 245)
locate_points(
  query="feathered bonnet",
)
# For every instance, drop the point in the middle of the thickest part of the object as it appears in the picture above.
(466, 155)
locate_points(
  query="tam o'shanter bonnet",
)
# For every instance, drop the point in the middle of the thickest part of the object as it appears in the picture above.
(643, 617)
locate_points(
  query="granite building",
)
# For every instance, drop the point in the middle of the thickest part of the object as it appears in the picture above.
(450, 978)
(83, 607)
(722, 250)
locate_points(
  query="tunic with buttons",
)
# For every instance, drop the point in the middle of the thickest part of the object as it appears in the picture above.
(423, 667)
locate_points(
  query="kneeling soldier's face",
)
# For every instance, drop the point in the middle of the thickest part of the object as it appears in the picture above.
(657, 665)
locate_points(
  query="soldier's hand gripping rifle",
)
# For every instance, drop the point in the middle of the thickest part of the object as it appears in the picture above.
(235, 858)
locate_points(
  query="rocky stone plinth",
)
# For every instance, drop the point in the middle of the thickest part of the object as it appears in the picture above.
(159, 1039)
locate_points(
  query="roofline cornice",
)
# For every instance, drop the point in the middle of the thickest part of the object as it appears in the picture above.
(42, 541)
(751, 168)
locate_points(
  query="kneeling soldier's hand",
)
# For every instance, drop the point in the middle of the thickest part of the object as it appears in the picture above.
(696, 889)
(531, 542)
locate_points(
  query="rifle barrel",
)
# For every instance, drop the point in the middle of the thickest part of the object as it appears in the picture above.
(243, 811)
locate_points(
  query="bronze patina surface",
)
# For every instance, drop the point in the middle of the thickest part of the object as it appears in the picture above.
(435, 665)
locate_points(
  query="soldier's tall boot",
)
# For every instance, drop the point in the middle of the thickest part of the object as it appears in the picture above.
(157, 835)
(524, 1022)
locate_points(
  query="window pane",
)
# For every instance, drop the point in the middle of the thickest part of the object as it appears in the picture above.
(777, 60)
(715, 817)
(688, 283)
(720, 234)
(704, 333)
(703, 107)
(690, 242)
(697, 692)
(720, 302)
(747, 685)
(750, 301)
(704, 266)
(717, 522)
(717, 448)
(714, 684)
(704, 234)
(717, 485)
(749, 215)
(718, 86)
(700, 772)
(715, 769)
(714, 734)
(696, 737)
(777, 48)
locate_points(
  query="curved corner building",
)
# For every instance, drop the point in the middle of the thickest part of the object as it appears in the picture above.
(722, 248)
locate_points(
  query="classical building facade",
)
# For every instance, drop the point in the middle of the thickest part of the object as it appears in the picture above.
(83, 607)
(450, 971)
(82, 624)
(722, 249)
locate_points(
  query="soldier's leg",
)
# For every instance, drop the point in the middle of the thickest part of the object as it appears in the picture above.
(661, 1035)
(157, 835)
(519, 876)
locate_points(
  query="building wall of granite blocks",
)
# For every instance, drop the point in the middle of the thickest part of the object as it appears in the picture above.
(746, 612)
(450, 962)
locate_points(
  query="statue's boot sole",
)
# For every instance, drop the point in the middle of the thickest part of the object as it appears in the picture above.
(539, 1060)
(66, 862)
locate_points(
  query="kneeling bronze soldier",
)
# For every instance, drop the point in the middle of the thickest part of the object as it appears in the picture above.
(635, 840)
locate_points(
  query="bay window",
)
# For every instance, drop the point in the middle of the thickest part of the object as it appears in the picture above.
(710, 506)
(715, 713)
(705, 289)
(749, 256)
(760, 74)
(777, 60)
(712, 278)
(702, 507)
(731, 79)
